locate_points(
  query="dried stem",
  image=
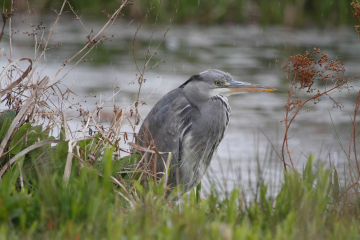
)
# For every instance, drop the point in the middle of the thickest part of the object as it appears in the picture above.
(353, 135)
(303, 71)
(25, 108)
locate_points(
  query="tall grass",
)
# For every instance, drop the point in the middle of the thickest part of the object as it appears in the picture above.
(90, 208)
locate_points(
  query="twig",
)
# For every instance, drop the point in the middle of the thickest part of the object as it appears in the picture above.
(353, 134)
(16, 82)
(107, 139)
(48, 38)
(287, 125)
(12, 63)
(4, 17)
(92, 40)
(288, 122)
(10, 35)
(145, 149)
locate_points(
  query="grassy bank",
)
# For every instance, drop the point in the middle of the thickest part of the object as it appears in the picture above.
(298, 13)
(90, 207)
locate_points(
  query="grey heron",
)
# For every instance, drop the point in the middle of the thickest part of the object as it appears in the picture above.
(190, 122)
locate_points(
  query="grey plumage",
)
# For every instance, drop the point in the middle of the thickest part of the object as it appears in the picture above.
(190, 121)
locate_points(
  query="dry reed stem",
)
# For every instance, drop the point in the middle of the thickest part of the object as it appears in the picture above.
(68, 164)
(24, 109)
(69, 158)
(21, 177)
(153, 151)
(10, 87)
(107, 139)
(8, 67)
(10, 35)
(167, 167)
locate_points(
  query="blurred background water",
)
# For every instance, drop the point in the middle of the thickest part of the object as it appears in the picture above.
(247, 50)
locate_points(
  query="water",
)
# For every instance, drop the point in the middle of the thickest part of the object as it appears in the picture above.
(248, 53)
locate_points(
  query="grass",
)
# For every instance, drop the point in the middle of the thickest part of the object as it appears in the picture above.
(89, 207)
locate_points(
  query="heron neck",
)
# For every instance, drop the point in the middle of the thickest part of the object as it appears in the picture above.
(195, 97)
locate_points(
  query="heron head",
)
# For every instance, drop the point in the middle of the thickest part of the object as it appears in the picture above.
(213, 82)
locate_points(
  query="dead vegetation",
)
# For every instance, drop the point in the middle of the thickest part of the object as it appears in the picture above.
(317, 78)
(27, 96)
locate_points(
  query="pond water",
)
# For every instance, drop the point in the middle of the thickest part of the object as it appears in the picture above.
(248, 53)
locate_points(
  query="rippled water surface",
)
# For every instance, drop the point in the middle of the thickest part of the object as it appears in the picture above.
(248, 53)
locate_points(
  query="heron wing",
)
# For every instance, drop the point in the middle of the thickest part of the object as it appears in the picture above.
(165, 127)
(201, 140)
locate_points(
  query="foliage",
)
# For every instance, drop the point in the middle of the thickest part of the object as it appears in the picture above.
(89, 207)
(288, 12)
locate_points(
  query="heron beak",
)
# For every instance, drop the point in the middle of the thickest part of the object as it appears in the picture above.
(242, 87)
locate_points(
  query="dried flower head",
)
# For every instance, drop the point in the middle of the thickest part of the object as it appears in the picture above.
(303, 70)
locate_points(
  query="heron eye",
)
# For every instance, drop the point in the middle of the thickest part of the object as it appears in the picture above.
(217, 83)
